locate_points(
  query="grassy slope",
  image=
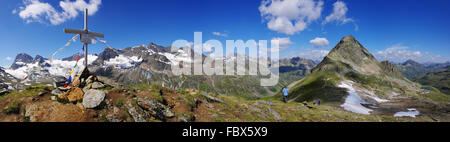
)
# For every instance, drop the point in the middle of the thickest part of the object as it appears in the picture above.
(439, 79)
(236, 109)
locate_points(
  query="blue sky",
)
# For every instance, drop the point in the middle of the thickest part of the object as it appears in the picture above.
(395, 30)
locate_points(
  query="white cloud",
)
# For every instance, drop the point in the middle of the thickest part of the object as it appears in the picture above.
(399, 53)
(314, 54)
(319, 42)
(219, 34)
(42, 12)
(283, 42)
(290, 16)
(8, 58)
(339, 14)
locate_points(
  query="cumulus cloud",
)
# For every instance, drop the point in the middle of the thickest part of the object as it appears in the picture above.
(8, 58)
(319, 42)
(339, 15)
(283, 42)
(399, 53)
(290, 16)
(314, 54)
(42, 12)
(219, 34)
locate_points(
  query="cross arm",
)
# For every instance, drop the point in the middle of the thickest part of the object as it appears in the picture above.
(75, 31)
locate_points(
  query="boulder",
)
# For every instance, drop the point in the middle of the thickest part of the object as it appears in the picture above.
(56, 92)
(76, 82)
(53, 98)
(211, 98)
(97, 85)
(93, 98)
(75, 94)
(3, 92)
(156, 109)
(136, 116)
(63, 96)
(91, 79)
(87, 87)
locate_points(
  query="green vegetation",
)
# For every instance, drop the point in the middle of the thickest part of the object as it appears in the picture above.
(434, 94)
(438, 79)
(120, 102)
(321, 85)
(28, 92)
(14, 108)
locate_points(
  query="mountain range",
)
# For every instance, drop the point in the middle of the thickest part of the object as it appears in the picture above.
(151, 64)
(137, 84)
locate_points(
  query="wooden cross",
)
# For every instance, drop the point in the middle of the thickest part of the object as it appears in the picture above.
(86, 36)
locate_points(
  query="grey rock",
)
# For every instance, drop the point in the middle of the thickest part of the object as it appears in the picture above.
(274, 113)
(211, 98)
(112, 118)
(93, 98)
(155, 108)
(97, 85)
(56, 92)
(3, 92)
(136, 116)
(267, 102)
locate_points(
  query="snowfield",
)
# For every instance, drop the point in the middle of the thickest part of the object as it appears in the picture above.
(56, 68)
(412, 112)
(175, 59)
(353, 102)
(123, 62)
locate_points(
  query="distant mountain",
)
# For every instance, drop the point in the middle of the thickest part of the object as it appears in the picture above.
(151, 64)
(296, 64)
(350, 76)
(411, 69)
(439, 79)
(436, 66)
(21, 60)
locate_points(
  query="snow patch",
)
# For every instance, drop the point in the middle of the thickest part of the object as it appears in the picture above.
(353, 102)
(123, 62)
(412, 112)
(175, 59)
(377, 99)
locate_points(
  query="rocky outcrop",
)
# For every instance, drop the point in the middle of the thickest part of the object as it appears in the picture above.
(93, 98)
(211, 98)
(155, 108)
(137, 117)
(97, 85)
(390, 69)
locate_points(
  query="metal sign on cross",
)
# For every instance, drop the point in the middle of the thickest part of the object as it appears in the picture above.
(86, 36)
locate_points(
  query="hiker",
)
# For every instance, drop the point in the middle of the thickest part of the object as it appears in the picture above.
(285, 94)
(318, 102)
(314, 102)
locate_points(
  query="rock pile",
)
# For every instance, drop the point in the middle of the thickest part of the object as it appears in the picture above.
(84, 88)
